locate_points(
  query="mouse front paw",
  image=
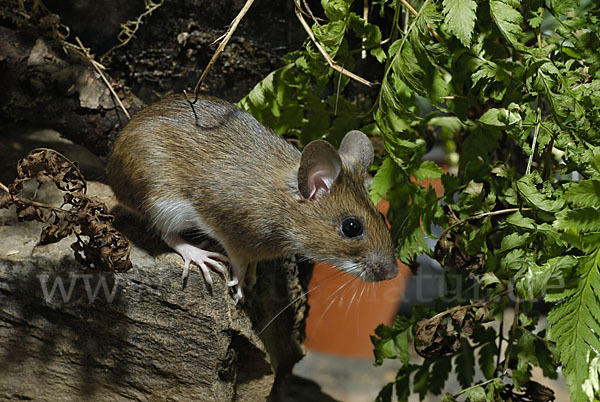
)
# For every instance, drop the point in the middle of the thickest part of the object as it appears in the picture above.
(199, 256)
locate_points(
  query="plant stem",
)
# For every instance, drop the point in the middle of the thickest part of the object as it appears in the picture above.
(3, 187)
(29, 202)
(479, 216)
(513, 333)
(475, 386)
(535, 136)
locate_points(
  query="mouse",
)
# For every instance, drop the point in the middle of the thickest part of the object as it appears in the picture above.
(211, 167)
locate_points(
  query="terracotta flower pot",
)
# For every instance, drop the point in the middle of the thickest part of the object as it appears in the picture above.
(344, 311)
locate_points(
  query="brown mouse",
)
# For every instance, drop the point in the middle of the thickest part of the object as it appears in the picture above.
(216, 169)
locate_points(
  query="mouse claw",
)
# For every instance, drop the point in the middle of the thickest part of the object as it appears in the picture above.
(238, 295)
(185, 274)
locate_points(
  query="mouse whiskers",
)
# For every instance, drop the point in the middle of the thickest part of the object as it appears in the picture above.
(335, 296)
(324, 282)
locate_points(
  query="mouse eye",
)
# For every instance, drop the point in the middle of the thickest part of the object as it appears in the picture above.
(352, 227)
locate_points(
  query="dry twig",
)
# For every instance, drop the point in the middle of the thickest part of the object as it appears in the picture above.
(131, 27)
(224, 39)
(99, 67)
(323, 52)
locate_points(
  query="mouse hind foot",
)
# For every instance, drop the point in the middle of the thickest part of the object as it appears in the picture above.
(239, 270)
(198, 255)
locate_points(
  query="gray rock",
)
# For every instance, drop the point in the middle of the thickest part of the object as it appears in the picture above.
(69, 334)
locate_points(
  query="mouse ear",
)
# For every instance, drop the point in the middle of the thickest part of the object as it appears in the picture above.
(357, 149)
(320, 165)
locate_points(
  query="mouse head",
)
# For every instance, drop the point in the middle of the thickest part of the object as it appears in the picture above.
(344, 227)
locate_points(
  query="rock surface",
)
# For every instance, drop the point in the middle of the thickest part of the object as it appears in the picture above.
(68, 334)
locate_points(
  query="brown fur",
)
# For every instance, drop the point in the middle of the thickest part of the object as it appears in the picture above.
(242, 181)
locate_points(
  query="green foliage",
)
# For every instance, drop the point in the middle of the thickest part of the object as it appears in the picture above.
(574, 323)
(460, 18)
(512, 89)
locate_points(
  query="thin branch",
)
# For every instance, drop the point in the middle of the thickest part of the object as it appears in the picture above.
(310, 13)
(29, 202)
(479, 216)
(3, 187)
(323, 52)
(224, 40)
(99, 67)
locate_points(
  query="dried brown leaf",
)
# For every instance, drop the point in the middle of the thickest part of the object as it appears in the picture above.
(27, 212)
(5, 200)
(16, 187)
(458, 315)
(99, 245)
(54, 233)
(435, 338)
(484, 314)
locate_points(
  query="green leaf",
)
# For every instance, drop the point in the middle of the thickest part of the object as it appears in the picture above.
(582, 220)
(487, 359)
(520, 221)
(514, 240)
(524, 350)
(494, 388)
(460, 19)
(476, 394)
(331, 36)
(507, 19)
(535, 198)
(392, 342)
(585, 193)
(551, 269)
(447, 397)
(384, 180)
(420, 380)
(336, 9)
(385, 395)
(440, 371)
(452, 123)
(403, 382)
(488, 279)
(500, 118)
(370, 33)
(427, 170)
(591, 386)
(412, 68)
(563, 6)
(464, 364)
(574, 325)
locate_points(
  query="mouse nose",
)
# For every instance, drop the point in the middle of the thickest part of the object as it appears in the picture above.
(391, 270)
(383, 268)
